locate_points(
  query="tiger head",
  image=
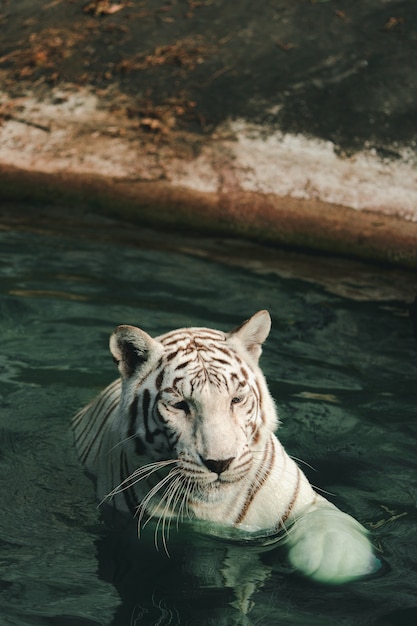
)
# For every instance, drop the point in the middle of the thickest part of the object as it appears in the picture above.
(195, 395)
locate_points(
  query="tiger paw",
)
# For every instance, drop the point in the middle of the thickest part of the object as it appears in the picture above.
(330, 547)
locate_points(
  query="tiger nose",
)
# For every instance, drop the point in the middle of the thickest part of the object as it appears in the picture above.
(217, 466)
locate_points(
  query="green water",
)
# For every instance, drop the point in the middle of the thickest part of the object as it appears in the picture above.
(344, 376)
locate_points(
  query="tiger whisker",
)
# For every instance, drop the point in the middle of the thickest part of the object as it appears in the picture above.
(258, 450)
(120, 443)
(170, 493)
(184, 504)
(139, 474)
(149, 469)
(180, 494)
(303, 462)
(143, 506)
(328, 493)
(191, 487)
(167, 496)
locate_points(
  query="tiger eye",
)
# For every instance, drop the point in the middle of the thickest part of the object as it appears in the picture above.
(182, 406)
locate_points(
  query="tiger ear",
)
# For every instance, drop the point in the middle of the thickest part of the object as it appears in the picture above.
(252, 333)
(132, 348)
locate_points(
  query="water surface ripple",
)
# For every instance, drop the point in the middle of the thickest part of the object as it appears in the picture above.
(344, 377)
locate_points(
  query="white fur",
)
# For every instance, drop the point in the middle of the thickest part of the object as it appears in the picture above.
(330, 546)
(323, 543)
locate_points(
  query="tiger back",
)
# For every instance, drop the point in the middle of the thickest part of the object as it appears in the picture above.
(188, 431)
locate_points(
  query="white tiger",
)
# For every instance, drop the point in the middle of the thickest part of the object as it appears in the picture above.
(188, 431)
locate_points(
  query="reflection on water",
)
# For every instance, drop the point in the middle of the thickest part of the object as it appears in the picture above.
(343, 374)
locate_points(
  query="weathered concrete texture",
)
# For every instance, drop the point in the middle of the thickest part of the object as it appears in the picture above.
(288, 122)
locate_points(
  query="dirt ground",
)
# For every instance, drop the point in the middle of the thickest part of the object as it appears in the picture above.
(337, 70)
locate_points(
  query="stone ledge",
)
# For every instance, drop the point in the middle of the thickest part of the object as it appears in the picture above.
(298, 223)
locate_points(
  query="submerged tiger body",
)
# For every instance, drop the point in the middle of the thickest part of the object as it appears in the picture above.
(188, 431)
